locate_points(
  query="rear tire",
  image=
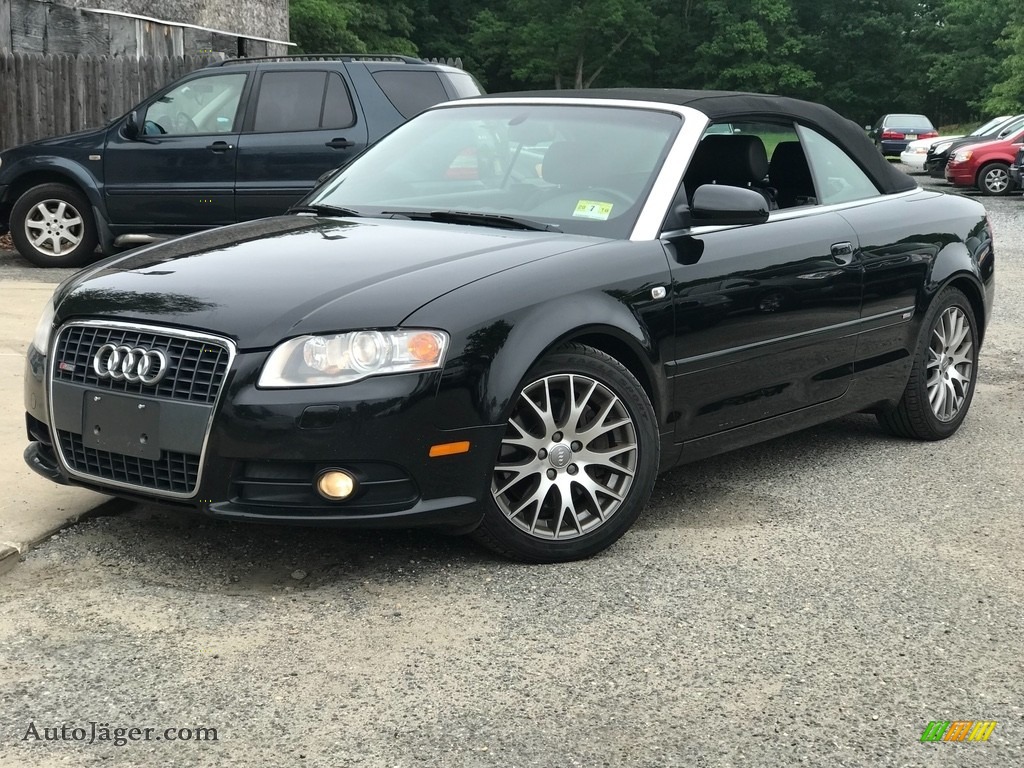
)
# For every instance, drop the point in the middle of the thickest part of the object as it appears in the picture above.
(941, 385)
(52, 226)
(994, 179)
(577, 463)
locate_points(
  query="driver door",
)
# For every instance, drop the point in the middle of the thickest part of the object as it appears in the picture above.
(179, 173)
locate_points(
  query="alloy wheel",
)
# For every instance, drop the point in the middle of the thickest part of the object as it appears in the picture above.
(950, 363)
(996, 181)
(568, 458)
(54, 227)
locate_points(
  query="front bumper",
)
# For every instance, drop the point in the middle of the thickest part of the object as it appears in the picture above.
(1017, 174)
(914, 159)
(960, 175)
(5, 211)
(265, 449)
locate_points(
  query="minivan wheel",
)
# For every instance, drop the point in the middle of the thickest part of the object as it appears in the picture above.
(577, 462)
(52, 226)
(941, 385)
(994, 179)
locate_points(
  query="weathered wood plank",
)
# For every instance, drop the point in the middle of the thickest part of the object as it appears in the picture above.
(9, 116)
(68, 30)
(28, 26)
(5, 27)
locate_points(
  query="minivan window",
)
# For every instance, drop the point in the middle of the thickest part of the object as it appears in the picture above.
(411, 92)
(202, 105)
(290, 101)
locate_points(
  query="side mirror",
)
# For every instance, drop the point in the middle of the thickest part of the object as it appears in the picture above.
(720, 204)
(131, 126)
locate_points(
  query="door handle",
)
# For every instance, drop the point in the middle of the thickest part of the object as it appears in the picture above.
(842, 253)
(341, 143)
(220, 146)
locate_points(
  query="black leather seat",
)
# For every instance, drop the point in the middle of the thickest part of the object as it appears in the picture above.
(790, 175)
(733, 160)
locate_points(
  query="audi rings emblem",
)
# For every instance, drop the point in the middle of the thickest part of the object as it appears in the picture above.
(134, 364)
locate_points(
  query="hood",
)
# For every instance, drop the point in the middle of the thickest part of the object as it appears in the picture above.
(87, 138)
(263, 281)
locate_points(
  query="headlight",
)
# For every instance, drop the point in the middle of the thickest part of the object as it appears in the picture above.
(962, 156)
(940, 148)
(41, 338)
(320, 361)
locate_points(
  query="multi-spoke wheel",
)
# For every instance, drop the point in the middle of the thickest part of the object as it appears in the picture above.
(577, 462)
(52, 226)
(994, 179)
(941, 383)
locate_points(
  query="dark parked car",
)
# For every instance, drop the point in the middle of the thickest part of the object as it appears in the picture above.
(518, 348)
(940, 152)
(238, 140)
(892, 133)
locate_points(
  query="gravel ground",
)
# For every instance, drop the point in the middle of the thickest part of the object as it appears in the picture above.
(812, 601)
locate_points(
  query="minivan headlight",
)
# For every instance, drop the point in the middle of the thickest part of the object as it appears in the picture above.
(962, 156)
(326, 359)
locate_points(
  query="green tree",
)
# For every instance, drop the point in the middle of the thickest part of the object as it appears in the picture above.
(1007, 93)
(751, 45)
(962, 57)
(562, 43)
(351, 26)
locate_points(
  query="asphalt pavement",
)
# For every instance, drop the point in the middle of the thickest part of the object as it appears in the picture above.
(816, 600)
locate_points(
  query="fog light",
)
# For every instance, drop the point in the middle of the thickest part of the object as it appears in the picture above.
(336, 484)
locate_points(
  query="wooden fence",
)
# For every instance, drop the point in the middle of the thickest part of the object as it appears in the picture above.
(49, 95)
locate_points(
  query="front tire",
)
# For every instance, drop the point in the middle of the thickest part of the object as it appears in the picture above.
(941, 385)
(994, 179)
(577, 463)
(52, 226)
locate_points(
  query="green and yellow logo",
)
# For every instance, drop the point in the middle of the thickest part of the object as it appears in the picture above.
(958, 730)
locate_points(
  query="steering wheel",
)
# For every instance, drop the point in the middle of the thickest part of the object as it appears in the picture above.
(183, 124)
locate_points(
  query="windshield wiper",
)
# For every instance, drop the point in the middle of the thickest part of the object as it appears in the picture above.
(471, 217)
(324, 210)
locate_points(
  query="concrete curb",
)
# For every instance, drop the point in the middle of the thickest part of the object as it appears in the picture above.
(11, 552)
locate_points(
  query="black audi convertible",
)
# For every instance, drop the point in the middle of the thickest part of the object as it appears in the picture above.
(511, 314)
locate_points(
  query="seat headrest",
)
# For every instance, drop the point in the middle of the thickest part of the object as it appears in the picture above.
(789, 160)
(728, 159)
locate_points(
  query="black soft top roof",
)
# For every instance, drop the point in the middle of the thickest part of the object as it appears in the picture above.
(736, 106)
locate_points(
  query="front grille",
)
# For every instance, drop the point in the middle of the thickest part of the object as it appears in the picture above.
(196, 368)
(173, 472)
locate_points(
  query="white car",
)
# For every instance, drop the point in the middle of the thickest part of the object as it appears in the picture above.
(916, 152)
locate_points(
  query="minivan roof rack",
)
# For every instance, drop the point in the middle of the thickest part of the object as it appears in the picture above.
(324, 57)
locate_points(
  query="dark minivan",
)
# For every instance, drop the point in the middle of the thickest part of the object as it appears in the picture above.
(237, 140)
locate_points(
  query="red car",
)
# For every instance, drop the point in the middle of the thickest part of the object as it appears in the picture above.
(986, 166)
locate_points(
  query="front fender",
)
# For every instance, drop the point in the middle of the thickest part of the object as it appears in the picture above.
(596, 318)
(48, 168)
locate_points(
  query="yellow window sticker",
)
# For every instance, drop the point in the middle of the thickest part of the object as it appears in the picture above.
(592, 209)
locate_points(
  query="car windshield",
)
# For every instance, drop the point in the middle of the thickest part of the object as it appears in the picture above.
(991, 125)
(578, 169)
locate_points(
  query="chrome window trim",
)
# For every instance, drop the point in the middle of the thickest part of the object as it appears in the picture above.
(172, 332)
